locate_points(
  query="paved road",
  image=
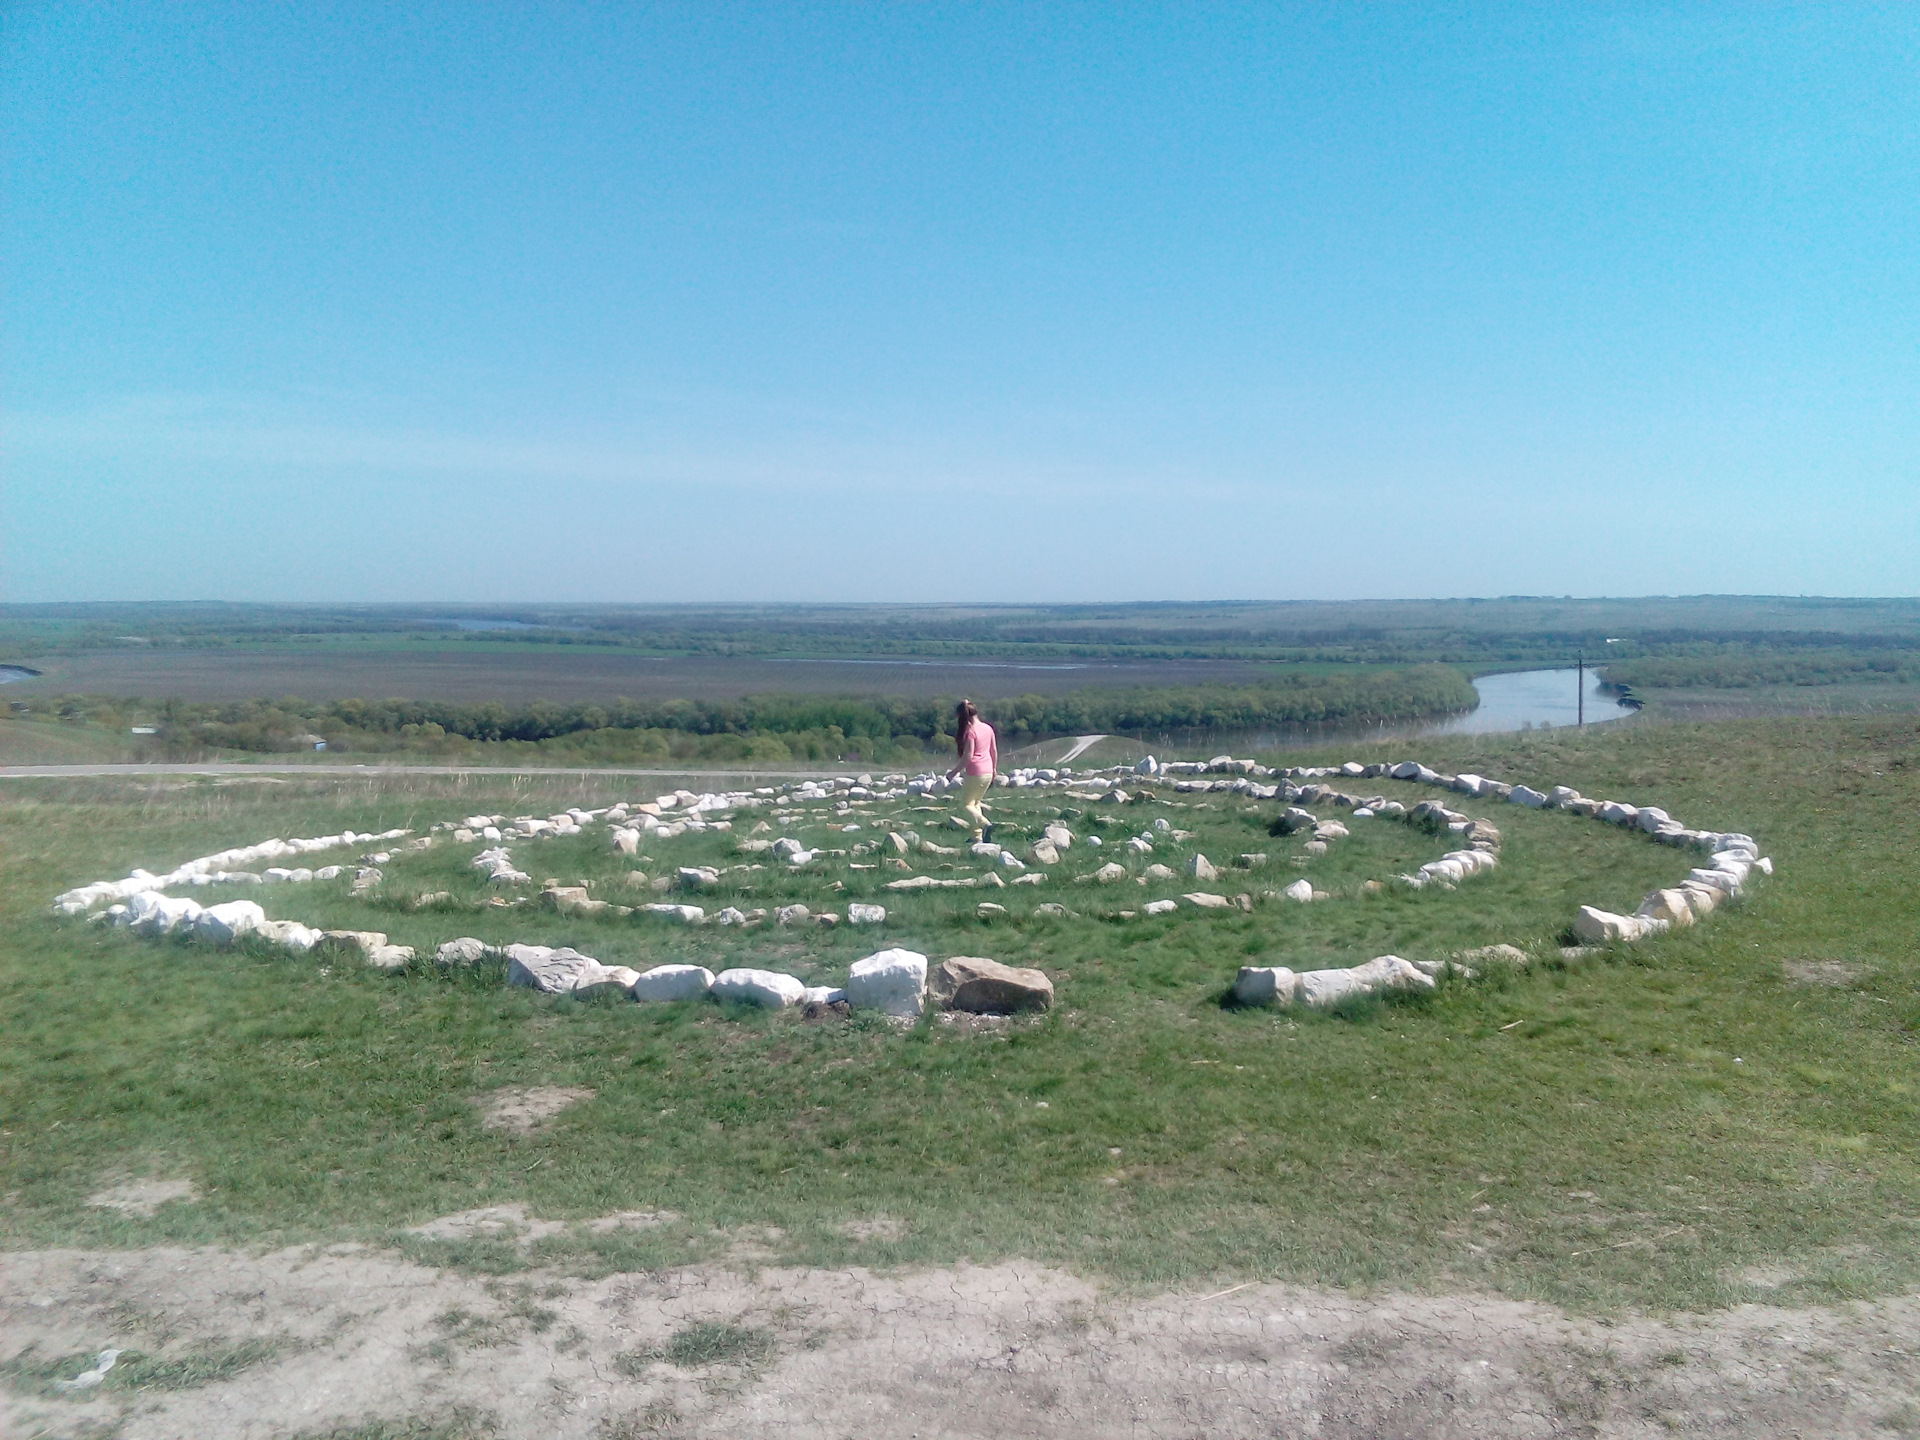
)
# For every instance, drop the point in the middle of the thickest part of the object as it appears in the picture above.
(30, 772)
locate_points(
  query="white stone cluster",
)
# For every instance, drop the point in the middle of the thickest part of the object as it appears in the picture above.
(892, 981)
(137, 902)
(226, 867)
(1735, 858)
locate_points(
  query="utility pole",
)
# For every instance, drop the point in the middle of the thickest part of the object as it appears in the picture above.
(1580, 670)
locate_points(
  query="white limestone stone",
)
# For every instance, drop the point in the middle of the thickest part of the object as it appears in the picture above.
(224, 924)
(766, 988)
(861, 914)
(1265, 985)
(672, 982)
(557, 972)
(1598, 927)
(152, 913)
(1383, 972)
(288, 934)
(891, 981)
(684, 914)
(1669, 905)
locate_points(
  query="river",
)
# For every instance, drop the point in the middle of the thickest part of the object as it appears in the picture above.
(1518, 700)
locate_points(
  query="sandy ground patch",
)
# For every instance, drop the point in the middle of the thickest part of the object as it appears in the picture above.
(143, 1197)
(1836, 973)
(524, 1111)
(343, 1335)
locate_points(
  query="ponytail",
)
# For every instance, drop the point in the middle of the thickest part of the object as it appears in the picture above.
(964, 715)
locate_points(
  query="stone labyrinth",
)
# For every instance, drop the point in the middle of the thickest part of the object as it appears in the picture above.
(734, 872)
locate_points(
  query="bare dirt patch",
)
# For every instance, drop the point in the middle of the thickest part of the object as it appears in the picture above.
(492, 1222)
(1768, 1277)
(1835, 973)
(526, 1111)
(1012, 1349)
(143, 1197)
(877, 1227)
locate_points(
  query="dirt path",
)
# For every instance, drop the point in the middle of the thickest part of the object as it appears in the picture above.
(1081, 744)
(309, 1341)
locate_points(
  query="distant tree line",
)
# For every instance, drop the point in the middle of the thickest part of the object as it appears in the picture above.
(1744, 668)
(776, 727)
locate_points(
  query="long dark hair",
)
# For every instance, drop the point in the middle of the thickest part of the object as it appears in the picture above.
(964, 714)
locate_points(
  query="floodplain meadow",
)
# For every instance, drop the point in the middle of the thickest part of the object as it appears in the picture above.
(1723, 1114)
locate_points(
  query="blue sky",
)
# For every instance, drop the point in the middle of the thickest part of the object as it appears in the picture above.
(958, 302)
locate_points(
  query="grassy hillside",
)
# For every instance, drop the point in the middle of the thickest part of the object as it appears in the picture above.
(1657, 1126)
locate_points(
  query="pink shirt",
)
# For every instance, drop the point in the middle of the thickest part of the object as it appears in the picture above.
(983, 749)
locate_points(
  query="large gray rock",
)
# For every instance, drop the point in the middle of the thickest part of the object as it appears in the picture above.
(766, 988)
(1201, 868)
(986, 987)
(464, 951)
(1293, 820)
(1528, 796)
(1044, 852)
(673, 982)
(893, 982)
(559, 972)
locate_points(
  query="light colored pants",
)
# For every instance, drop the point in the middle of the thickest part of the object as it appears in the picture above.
(972, 789)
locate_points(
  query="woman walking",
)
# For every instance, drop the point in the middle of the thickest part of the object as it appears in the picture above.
(979, 751)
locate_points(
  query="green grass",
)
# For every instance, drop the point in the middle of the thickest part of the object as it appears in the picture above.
(54, 742)
(1630, 1131)
(133, 1370)
(705, 1342)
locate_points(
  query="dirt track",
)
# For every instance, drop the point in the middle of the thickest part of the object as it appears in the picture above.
(1012, 1350)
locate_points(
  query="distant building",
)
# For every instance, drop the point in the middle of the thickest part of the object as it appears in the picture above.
(144, 729)
(309, 742)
